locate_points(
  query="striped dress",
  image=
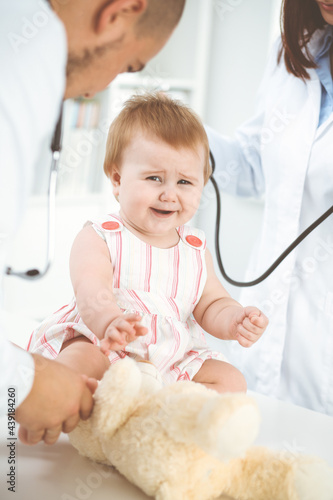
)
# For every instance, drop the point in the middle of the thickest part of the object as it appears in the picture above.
(163, 284)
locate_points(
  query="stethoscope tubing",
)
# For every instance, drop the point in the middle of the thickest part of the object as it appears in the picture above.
(277, 262)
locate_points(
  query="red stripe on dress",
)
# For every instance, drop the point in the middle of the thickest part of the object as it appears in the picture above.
(138, 301)
(77, 318)
(117, 267)
(153, 329)
(148, 268)
(63, 318)
(175, 349)
(175, 369)
(58, 310)
(115, 216)
(175, 271)
(114, 360)
(29, 343)
(48, 347)
(199, 274)
(117, 264)
(174, 306)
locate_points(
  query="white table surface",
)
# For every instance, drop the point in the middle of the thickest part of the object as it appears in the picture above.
(58, 473)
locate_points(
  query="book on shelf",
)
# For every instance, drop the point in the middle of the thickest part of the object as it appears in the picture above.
(82, 113)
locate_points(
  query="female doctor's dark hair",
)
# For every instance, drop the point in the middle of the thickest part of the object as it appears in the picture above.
(299, 20)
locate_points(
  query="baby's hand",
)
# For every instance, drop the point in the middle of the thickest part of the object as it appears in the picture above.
(121, 331)
(248, 325)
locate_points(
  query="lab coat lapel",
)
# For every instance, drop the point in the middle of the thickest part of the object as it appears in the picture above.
(293, 117)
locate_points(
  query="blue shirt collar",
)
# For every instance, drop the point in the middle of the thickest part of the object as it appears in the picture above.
(323, 71)
(325, 43)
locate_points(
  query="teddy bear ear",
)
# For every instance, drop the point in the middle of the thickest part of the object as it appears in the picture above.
(117, 396)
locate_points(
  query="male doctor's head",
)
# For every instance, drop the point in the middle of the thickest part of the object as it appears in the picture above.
(108, 37)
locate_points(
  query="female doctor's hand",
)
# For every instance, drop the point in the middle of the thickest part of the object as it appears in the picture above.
(248, 324)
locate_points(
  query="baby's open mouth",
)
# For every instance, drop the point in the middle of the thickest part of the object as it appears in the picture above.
(162, 212)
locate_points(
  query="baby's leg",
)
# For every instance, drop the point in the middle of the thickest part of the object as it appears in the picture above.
(220, 376)
(81, 355)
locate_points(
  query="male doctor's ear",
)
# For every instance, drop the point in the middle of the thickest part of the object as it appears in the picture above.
(117, 16)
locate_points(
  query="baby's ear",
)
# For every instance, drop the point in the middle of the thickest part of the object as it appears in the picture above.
(115, 175)
(115, 179)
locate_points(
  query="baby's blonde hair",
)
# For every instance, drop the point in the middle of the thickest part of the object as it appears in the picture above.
(159, 115)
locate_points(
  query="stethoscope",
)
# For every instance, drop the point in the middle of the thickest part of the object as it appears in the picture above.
(33, 274)
(278, 261)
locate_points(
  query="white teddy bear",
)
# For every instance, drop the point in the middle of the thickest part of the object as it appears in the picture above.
(187, 442)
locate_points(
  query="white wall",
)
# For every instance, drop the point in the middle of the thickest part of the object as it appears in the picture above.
(240, 44)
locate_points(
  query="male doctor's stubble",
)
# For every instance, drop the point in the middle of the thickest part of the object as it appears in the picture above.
(85, 46)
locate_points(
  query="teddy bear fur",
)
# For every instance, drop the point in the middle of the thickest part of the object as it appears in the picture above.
(187, 442)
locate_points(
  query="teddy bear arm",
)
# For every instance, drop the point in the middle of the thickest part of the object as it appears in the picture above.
(86, 442)
(116, 398)
(222, 425)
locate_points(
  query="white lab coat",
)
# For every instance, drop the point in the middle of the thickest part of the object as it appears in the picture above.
(33, 56)
(282, 152)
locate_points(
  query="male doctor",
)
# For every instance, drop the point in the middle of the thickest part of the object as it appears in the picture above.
(50, 51)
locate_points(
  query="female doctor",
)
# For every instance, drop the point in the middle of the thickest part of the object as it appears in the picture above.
(286, 152)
